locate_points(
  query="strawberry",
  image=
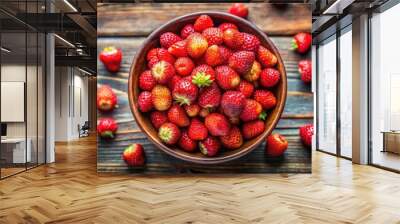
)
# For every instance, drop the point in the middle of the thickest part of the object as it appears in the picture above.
(204, 112)
(227, 78)
(133, 155)
(178, 49)
(213, 35)
(184, 66)
(250, 42)
(225, 54)
(242, 61)
(265, 98)
(145, 102)
(197, 130)
(106, 99)
(111, 58)
(187, 30)
(246, 88)
(252, 110)
(210, 97)
(203, 22)
(254, 73)
(186, 143)
(233, 140)
(159, 54)
(196, 45)
(106, 128)
(203, 75)
(210, 146)
(213, 56)
(217, 124)
(234, 120)
(266, 57)
(305, 70)
(172, 82)
(269, 77)
(158, 118)
(306, 132)
(168, 39)
(301, 42)
(162, 72)
(147, 81)
(192, 110)
(276, 145)
(178, 116)
(161, 97)
(185, 92)
(252, 129)
(233, 38)
(232, 103)
(239, 9)
(225, 26)
(169, 133)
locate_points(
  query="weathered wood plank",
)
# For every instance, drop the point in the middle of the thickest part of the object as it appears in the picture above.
(133, 19)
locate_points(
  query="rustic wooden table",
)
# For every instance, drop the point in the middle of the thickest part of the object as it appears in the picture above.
(127, 25)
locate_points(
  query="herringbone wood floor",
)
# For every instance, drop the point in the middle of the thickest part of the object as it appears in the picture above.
(70, 191)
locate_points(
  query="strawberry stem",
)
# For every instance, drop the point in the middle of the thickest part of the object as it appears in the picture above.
(293, 45)
(107, 134)
(262, 116)
(182, 100)
(202, 79)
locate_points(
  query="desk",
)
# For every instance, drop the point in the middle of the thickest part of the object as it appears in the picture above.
(17, 150)
(391, 141)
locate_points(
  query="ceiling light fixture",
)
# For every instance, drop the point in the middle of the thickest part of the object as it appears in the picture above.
(64, 40)
(5, 50)
(70, 5)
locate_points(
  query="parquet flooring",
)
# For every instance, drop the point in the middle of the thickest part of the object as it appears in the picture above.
(70, 191)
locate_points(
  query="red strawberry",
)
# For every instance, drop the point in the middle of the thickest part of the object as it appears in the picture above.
(186, 143)
(177, 115)
(134, 155)
(168, 39)
(217, 124)
(213, 56)
(276, 145)
(252, 110)
(111, 58)
(106, 128)
(184, 66)
(147, 81)
(225, 26)
(254, 73)
(233, 140)
(185, 92)
(250, 43)
(265, 98)
(158, 118)
(225, 54)
(246, 88)
(173, 81)
(145, 102)
(306, 132)
(169, 133)
(213, 35)
(162, 72)
(192, 110)
(187, 30)
(226, 77)
(239, 9)
(266, 57)
(305, 70)
(269, 77)
(301, 42)
(178, 49)
(159, 54)
(197, 130)
(242, 61)
(204, 112)
(232, 103)
(161, 97)
(106, 99)
(210, 146)
(202, 23)
(253, 129)
(233, 38)
(210, 97)
(203, 75)
(196, 45)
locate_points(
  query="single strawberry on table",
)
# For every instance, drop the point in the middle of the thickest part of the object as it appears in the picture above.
(233, 139)
(192, 110)
(217, 124)
(111, 58)
(266, 57)
(232, 103)
(168, 39)
(213, 35)
(276, 145)
(184, 66)
(269, 77)
(266, 98)
(161, 97)
(301, 42)
(185, 92)
(169, 133)
(203, 75)
(106, 99)
(133, 155)
(147, 81)
(178, 116)
(246, 88)
(306, 132)
(226, 77)
(187, 30)
(210, 97)
(210, 146)
(242, 61)
(197, 130)
(253, 129)
(196, 45)
(159, 54)
(239, 9)
(162, 72)
(252, 110)
(178, 49)
(158, 118)
(254, 73)
(106, 128)
(186, 143)
(145, 101)
(203, 22)
(250, 42)
(305, 67)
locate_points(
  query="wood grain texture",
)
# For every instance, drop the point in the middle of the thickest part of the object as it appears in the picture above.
(298, 111)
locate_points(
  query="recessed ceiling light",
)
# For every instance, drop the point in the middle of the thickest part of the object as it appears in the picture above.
(5, 50)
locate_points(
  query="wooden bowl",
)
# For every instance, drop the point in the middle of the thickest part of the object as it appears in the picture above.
(139, 65)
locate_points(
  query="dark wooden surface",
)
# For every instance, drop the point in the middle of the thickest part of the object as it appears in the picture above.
(115, 27)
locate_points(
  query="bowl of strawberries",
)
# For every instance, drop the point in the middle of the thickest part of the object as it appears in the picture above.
(207, 87)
